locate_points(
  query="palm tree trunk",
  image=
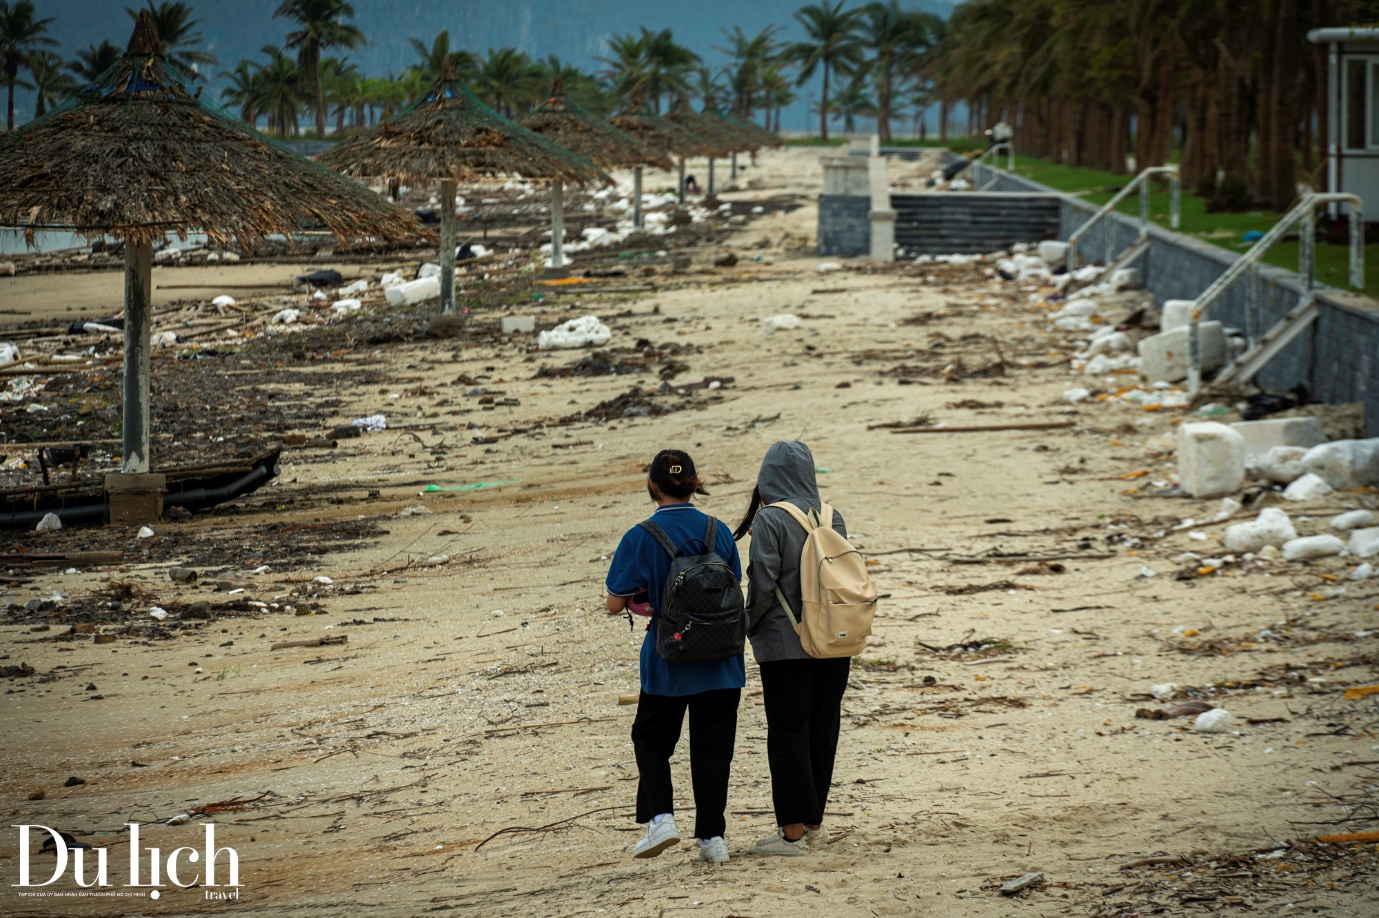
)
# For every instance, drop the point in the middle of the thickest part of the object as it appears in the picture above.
(823, 106)
(883, 102)
(1279, 185)
(9, 111)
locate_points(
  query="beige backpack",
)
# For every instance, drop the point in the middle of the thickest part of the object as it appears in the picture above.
(839, 596)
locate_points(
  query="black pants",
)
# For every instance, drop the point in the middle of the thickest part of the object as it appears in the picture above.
(713, 728)
(803, 708)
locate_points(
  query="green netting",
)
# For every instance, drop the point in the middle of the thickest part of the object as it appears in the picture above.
(564, 122)
(449, 133)
(140, 153)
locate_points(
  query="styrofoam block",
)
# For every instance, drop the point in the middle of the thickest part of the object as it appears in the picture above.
(1345, 463)
(782, 322)
(1271, 527)
(1260, 436)
(414, 292)
(1124, 279)
(358, 286)
(1312, 547)
(391, 279)
(345, 307)
(1364, 543)
(1113, 343)
(1355, 519)
(1308, 487)
(1163, 357)
(286, 317)
(1211, 459)
(1082, 306)
(514, 324)
(429, 270)
(1217, 720)
(1279, 464)
(1362, 572)
(1102, 364)
(829, 267)
(575, 333)
(1176, 314)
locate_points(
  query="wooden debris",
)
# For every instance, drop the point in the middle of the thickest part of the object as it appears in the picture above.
(1348, 837)
(980, 428)
(36, 559)
(1022, 883)
(313, 642)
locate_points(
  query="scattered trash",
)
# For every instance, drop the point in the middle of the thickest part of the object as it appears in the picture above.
(782, 322)
(1211, 459)
(145, 532)
(1164, 690)
(1345, 463)
(1362, 572)
(1217, 720)
(1075, 395)
(1271, 528)
(414, 292)
(345, 307)
(1364, 543)
(1308, 487)
(223, 301)
(49, 523)
(477, 486)
(1355, 519)
(829, 267)
(1187, 709)
(1278, 464)
(182, 575)
(581, 332)
(414, 511)
(1312, 547)
(286, 317)
(514, 324)
(372, 424)
(160, 614)
(1021, 883)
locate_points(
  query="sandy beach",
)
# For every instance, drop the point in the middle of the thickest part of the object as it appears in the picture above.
(464, 752)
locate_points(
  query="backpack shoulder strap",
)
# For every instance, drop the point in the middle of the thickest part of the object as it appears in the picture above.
(710, 534)
(825, 515)
(660, 536)
(795, 512)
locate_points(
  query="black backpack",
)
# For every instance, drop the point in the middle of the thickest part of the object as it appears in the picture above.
(702, 615)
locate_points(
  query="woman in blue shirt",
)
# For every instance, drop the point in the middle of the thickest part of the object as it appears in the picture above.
(708, 689)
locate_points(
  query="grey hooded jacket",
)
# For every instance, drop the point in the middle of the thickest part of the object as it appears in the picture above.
(787, 473)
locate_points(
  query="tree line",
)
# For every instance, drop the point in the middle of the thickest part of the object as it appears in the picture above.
(1231, 89)
(868, 59)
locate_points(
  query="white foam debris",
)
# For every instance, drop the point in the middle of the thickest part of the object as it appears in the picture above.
(1278, 464)
(1271, 528)
(1345, 463)
(345, 307)
(1211, 459)
(581, 332)
(223, 301)
(1217, 720)
(1364, 543)
(1309, 548)
(829, 267)
(286, 317)
(782, 322)
(428, 270)
(1355, 519)
(414, 292)
(358, 286)
(1308, 487)
(9, 353)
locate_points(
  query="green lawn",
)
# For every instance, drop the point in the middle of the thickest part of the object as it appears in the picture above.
(1224, 230)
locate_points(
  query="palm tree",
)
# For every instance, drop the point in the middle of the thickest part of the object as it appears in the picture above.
(750, 55)
(896, 37)
(177, 33)
(94, 60)
(579, 86)
(320, 27)
(776, 87)
(831, 44)
(852, 101)
(506, 77)
(433, 58)
(245, 90)
(338, 77)
(280, 90)
(20, 36)
(647, 66)
(51, 85)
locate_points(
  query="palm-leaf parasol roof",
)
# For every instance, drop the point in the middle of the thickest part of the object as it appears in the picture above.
(715, 135)
(564, 122)
(748, 128)
(138, 154)
(450, 134)
(659, 133)
(747, 138)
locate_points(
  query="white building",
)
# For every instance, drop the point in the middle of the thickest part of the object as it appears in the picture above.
(1352, 153)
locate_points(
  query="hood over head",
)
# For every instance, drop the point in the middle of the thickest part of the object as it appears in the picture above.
(787, 473)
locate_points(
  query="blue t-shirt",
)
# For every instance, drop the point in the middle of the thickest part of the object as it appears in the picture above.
(641, 562)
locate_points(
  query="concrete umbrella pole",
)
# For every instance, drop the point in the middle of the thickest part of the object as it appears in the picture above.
(138, 320)
(557, 225)
(448, 189)
(733, 177)
(637, 197)
(682, 180)
(709, 188)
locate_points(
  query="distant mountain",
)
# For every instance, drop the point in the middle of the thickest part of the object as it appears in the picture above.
(575, 30)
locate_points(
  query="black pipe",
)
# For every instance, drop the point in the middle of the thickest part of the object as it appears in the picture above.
(194, 499)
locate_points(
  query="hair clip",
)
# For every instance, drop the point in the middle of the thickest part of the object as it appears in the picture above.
(675, 469)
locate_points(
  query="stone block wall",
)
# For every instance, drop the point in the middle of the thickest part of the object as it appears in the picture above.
(844, 225)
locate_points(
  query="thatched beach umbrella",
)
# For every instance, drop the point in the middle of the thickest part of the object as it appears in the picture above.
(450, 135)
(751, 132)
(718, 137)
(138, 155)
(662, 134)
(562, 121)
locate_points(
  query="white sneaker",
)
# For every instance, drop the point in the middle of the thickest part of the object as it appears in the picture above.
(777, 844)
(816, 838)
(713, 850)
(659, 836)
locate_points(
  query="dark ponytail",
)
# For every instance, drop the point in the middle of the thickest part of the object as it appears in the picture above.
(751, 514)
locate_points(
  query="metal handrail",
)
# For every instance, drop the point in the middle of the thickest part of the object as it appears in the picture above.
(1009, 149)
(1140, 182)
(1305, 213)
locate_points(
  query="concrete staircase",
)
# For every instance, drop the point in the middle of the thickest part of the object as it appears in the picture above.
(953, 223)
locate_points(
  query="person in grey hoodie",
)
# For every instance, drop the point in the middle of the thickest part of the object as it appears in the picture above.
(803, 695)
